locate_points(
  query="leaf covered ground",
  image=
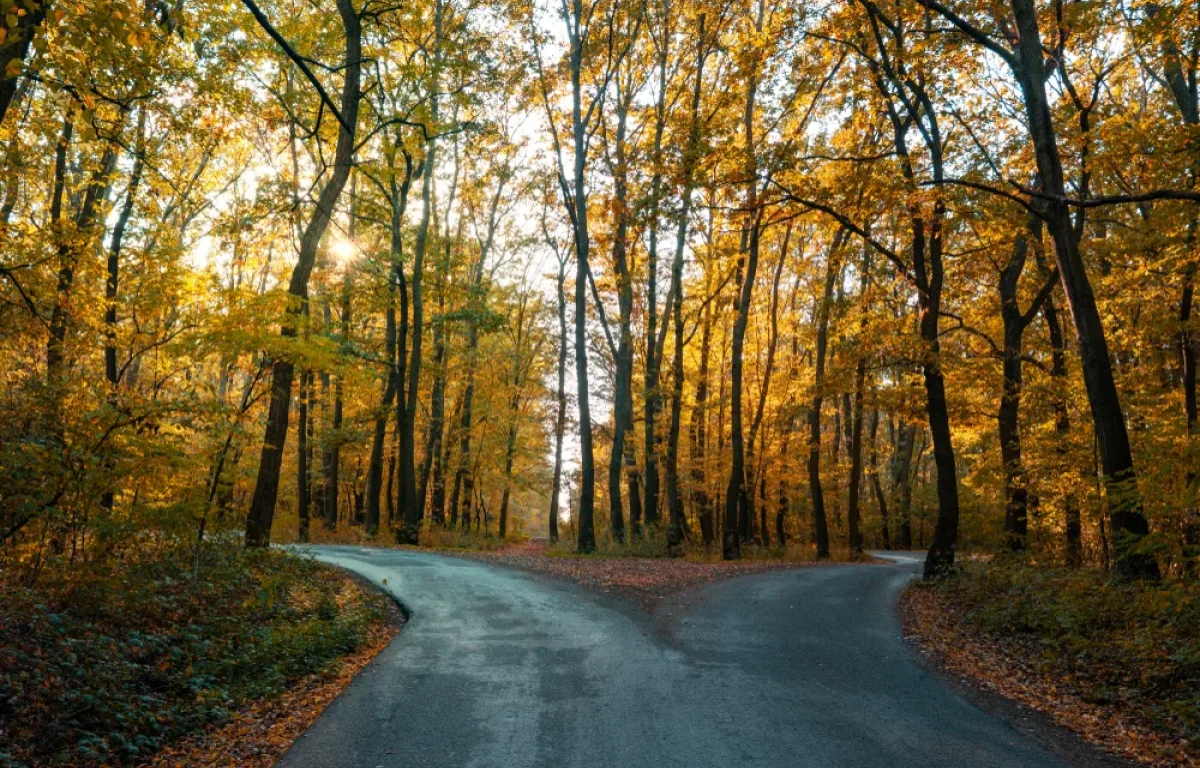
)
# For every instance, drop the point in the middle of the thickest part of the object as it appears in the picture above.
(647, 581)
(115, 664)
(1118, 664)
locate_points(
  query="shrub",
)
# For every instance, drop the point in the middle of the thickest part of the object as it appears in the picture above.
(115, 661)
(1134, 645)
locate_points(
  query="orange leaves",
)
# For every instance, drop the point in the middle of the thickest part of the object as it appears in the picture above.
(646, 581)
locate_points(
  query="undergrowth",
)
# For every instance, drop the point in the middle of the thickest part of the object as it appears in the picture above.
(652, 542)
(1132, 645)
(107, 663)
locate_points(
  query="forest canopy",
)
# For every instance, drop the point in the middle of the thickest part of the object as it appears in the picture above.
(810, 276)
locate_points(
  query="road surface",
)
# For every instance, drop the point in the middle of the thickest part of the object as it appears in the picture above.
(805, 667)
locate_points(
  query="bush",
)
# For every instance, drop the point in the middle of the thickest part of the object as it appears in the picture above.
(1134, 645)
(116, 661)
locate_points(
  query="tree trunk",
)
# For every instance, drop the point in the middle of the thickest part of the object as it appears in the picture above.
(14, 51)
(747, 269)
(112, 283)
(1128, 523)
(412, 509)
(880, 497)
(266, 488)
(303, 456)
(621, 453)
(856, 469)
(902, 455)
(1016, 491)
(833, 271)
(560, 417)
(375, 465)
(699, 436)
(432, 464)
(579, 219)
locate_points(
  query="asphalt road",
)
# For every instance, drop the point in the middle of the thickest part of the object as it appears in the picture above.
(792, 668)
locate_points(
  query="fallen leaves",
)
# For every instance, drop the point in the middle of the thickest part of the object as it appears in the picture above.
(1008, 667)
(646, 581)
(259, 734)
(109, 664)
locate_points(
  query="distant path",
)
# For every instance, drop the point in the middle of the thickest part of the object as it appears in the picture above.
(803, 668)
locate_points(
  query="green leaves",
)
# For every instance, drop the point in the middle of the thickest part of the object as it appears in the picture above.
(120, 661)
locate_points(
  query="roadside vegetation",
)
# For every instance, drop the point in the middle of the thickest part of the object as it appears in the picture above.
(1117, 661)
(108, 662)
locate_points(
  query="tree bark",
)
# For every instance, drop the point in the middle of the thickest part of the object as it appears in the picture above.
(266, 488)
(698, 430)
(580, 136)
(560, 418)
(833, 271)
(880, 497)
(747, 268)
(1128, 523)
(15, 49)
(303, 457)
(1016, 481)
(412, 509)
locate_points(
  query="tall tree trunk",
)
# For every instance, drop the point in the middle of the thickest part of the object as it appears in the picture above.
(334, 441)
(1128, 523)
(747, 268)
(902, 480)
(677, 519)
(303, 456)
(654, 351)
(390, 385)
(560, 418)
(1016, 491)
(112, 283)
(764, 389)
(622, 454)
(699, 435)
(853, 517)
(68, 251)
(520, 368)
(735, 493)
(880, 497)
(833, 271)
(412, 509)
(266, 488)
(853, 510)
(580, 136)
(432, 463)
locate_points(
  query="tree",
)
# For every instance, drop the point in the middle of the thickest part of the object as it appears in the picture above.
(266, 489)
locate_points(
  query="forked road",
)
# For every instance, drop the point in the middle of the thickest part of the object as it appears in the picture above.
(791, 668)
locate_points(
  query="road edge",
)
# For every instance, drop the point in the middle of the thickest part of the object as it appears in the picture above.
(1066, 745)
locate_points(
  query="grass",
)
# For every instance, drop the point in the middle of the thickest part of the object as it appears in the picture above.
(1135, 646)
(108, 663)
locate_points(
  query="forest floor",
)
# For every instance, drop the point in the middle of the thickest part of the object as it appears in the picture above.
(141, 661)
(258, 734)
(1116, 664)
(645, 581)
